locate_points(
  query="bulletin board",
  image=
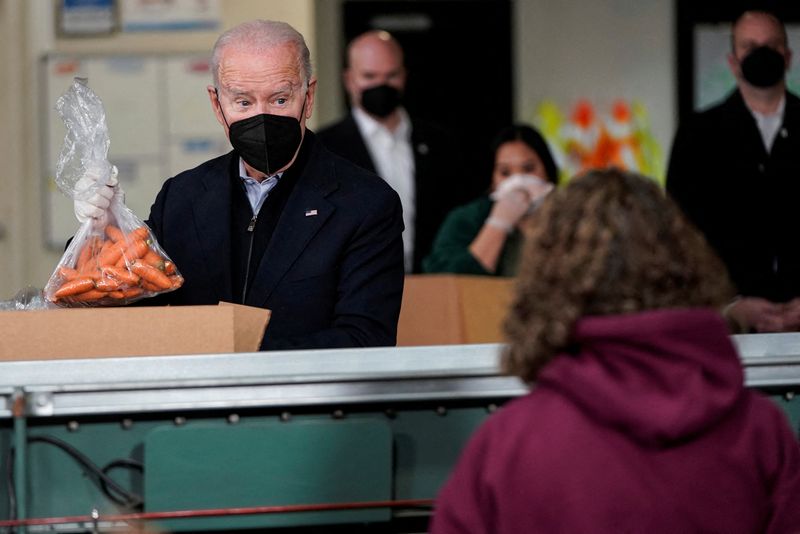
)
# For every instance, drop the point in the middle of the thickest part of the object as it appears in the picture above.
(159, 119)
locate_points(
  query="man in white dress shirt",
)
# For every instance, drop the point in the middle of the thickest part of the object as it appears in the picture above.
(419, 160)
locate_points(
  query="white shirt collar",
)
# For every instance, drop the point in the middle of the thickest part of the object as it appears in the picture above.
(369, 126)
(257, 192)
(777, 113)
(244, 176)
(769, 125)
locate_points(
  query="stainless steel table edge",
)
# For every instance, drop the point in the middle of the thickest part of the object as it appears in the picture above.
(302, 378)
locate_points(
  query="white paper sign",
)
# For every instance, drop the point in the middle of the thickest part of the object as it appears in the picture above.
(169, 15)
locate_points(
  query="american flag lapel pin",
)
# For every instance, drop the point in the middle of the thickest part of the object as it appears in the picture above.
(311, 213)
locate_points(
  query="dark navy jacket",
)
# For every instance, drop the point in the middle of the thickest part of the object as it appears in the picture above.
(742, 198)
(332, 273)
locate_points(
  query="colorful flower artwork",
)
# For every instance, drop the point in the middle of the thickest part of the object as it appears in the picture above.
(590, 138)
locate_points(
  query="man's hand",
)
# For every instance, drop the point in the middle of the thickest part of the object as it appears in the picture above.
(757, 314)
(93, 194)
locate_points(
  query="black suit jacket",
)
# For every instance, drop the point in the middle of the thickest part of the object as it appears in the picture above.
(333, 271)
(441, 181)
(741, 197)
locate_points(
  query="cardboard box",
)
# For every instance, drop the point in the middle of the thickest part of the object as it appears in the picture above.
(443, 309)
(130, 331)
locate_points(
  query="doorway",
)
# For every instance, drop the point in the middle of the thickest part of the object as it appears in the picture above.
(458, 54)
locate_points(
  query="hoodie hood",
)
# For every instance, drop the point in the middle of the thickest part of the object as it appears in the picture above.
(659, 376)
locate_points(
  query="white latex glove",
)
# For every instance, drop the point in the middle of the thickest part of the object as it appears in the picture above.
(508, 210)
(93, 193)
(536, 188)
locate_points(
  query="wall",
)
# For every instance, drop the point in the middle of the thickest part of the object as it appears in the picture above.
(564, 51)
(600, 49)
(15, 182)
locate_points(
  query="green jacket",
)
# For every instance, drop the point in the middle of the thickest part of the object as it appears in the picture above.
(450, 252)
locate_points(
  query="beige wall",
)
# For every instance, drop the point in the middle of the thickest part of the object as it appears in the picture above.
(16, 182)
(563, 51)
(600, 49)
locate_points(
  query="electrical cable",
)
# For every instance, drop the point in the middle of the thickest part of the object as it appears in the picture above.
(106, 483)
(125, 463)
(123, 497)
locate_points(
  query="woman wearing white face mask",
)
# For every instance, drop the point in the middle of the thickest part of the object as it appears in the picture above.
(484, 236)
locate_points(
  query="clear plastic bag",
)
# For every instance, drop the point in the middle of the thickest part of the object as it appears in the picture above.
(113, 260)
(27, 298)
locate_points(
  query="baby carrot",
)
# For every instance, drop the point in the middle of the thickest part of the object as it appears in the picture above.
(94, 274)
(86, 252)
(111, 255)
(132, 292)
(142, 232)
(151, 274)
(107, 284)
(74, 287)
(149, 286)
(67, 273)
(126, 293)
(107, 244)
(115, 233)
(152, 258)
(121, 274)
(135, 249)
(169, 268)
(92, 294)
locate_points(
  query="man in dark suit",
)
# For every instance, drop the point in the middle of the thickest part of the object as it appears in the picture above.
(735, 170)
(280, 222)
(420, 160)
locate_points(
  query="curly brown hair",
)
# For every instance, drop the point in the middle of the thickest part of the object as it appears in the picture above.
(610, 242)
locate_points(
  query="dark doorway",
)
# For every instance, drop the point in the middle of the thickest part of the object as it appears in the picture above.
(459, 60)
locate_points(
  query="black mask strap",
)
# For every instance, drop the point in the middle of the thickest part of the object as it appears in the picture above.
(219, 102)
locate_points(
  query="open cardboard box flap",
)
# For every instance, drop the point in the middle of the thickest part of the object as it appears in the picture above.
(130, 331)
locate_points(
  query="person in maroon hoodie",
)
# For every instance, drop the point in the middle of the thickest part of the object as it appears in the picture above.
(639, 420)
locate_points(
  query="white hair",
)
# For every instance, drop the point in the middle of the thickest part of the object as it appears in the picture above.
(260, 35)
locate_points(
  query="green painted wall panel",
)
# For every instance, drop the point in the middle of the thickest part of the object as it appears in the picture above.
(428, 445)
(297, 462)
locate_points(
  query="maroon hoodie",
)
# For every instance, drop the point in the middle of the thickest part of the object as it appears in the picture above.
(645, 427)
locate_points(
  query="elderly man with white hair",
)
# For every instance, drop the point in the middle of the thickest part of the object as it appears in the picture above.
(279, 222)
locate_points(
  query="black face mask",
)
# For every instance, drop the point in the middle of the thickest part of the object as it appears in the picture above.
(380, 100)
(763, 67)
(266, 142)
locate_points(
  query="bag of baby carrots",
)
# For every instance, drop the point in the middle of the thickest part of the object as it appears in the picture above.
(114, 259)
